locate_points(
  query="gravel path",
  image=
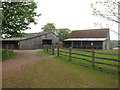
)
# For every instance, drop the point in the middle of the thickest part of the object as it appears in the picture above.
(23, 58)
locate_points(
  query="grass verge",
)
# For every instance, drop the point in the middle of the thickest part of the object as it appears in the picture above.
(100, 66)
(58, 73)
(4, 56)
(44, 53)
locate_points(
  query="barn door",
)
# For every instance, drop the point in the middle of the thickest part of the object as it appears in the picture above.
(47, 42)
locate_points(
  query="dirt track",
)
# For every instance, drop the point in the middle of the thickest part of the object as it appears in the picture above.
(23, 58)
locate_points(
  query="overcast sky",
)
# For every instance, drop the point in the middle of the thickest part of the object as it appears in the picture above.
(72, 14)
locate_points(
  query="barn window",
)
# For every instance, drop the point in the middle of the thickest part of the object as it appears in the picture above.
(47, 42)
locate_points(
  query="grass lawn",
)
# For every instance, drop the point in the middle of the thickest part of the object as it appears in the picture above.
(43, 53)
(58, 73)
(108, 51)
(102, 66)
(4, 56)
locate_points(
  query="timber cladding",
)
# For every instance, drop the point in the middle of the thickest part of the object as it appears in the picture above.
(90, 38)
(32, 40)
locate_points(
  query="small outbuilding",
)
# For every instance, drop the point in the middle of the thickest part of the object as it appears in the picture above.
(31, 41)
(87, 39)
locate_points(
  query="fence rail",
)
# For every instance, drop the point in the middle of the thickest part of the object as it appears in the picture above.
(96, 52)
(89, 50)
(91, 57)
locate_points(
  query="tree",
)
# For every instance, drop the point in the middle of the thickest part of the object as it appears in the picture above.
(107, 9)
(50, 27)
(63, 33)
(16, 16)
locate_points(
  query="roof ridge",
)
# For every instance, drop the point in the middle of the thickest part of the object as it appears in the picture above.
(92, 29)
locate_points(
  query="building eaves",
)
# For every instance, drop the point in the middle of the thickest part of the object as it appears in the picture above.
(85, 39)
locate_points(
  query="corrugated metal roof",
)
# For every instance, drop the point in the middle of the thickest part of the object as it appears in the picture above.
(86, 39)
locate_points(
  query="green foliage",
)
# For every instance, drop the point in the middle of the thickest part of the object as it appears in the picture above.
(16, 16)
(43, 53)
(114, 42)
(63, 33)
(4, 56)
(49, 27)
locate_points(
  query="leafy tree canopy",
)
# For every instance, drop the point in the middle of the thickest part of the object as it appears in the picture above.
(16, 16)
(49, 27)
(63, 33)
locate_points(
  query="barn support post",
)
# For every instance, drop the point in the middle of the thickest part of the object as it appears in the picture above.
(53, 49)
(13, 47)
(58, 49)
(93, 58)
(86, 47)
(47, 48)
(81, 44)
(70, 49)
(44, 47)
(7, 50)
(72, 44)
(10, 47)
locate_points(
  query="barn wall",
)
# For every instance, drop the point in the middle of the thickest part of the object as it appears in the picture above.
(10, 44)
(108, 41)
(31, 43)
(54, 38)
(36, 43)
(83, 44)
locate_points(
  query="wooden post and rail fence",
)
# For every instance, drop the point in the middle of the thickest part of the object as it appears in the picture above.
(61, 51)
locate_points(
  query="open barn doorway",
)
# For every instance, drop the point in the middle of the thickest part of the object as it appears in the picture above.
(47, 42)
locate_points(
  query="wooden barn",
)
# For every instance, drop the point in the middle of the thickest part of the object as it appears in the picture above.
(31, 41)
(87, 39)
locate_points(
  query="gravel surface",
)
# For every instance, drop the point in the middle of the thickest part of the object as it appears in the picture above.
(23, 58)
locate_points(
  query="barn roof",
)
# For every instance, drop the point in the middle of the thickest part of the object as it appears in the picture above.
(36, 34)
(30, 35)
(90, 33)
(11, 39)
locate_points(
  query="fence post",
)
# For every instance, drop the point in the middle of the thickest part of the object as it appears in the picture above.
(93, 58)
(70, 53)
(58, 49)
(13, 47)
(44, 47)
(7, 50)
(86, 47)
(53, 49)
(47, 48)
